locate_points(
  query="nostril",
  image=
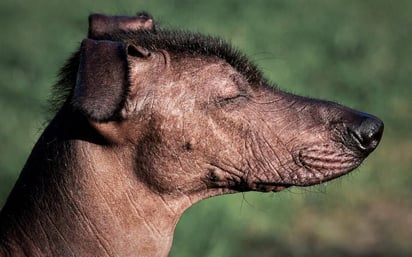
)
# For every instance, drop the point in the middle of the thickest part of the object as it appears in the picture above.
(367, 133)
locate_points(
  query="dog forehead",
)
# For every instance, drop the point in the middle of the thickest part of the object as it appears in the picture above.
(187, 44)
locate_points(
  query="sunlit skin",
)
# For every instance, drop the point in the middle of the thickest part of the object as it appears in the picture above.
(153, 121)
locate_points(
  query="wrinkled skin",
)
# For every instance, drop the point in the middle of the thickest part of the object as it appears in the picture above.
(144, 133)
(224, 135)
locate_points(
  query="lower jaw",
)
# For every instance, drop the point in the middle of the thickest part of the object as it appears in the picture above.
(277, 187)
(270, 188)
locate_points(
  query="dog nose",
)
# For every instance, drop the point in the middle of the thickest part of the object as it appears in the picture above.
(367, 133)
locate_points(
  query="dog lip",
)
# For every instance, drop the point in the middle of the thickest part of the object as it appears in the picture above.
(321, 163)
(270, 187)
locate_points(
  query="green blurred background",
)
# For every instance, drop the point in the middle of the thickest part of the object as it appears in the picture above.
(357, 53)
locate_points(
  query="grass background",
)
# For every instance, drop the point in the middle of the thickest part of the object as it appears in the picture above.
(354, 52)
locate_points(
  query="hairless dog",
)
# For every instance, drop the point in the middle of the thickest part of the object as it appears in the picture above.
(150, 121)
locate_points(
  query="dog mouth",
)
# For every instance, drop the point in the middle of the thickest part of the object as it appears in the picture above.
(260, 186)
(313, 165)
(270, 187)
(308, 166)
(321, 163)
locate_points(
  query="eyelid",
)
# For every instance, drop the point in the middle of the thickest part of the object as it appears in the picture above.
(237, 95)
(240, 82)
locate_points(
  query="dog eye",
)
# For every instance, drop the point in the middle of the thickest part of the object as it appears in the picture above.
(238, 93)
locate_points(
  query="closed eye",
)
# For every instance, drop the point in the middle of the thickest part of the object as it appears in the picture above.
(238, 96)
(237, 99)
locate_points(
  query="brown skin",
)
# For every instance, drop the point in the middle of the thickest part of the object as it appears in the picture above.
(175, 128)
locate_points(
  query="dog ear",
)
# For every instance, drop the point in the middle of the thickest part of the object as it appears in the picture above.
(101, 25)
(102, 83)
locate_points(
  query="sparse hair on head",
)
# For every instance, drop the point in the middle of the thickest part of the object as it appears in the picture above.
(173, 41)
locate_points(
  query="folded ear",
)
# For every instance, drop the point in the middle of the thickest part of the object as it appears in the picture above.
(102, 83)
(102, 79)
(100, 25)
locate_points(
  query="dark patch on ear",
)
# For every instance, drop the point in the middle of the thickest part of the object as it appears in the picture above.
(101, 25)
(102, 79)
